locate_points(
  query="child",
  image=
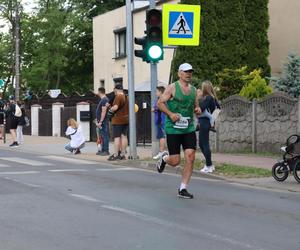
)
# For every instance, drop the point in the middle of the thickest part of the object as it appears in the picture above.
(212, 116)
(159, 123)
(77, 139)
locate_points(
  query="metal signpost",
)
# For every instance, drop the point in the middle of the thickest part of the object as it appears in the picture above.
(129, 51)
(153, 72)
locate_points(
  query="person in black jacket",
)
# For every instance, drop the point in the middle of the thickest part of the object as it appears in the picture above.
(208, 103)
(12, 113)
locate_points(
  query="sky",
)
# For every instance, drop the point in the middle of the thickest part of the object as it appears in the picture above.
(28, 6)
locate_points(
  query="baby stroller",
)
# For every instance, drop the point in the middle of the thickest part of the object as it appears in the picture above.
(290, 162)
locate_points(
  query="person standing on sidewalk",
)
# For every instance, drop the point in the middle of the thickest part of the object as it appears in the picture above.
(14, 113)
(179, 102)
(21, 124)
(102, 122)
(2, 117)
(159, 123)
(208, 102)
(120, 119)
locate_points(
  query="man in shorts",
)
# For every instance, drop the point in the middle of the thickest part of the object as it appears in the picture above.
(14, 120)
(179, 102)
(119, 121)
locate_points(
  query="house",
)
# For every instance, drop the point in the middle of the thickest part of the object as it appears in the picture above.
(109, 32)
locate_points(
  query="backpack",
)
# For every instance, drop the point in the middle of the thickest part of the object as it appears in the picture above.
(18, 111)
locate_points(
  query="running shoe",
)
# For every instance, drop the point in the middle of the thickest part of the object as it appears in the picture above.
(156, 157)
(185, 194)
(160, 165)
(113, 158)
(121, 157)
(14, 144)
(77, 151)
(207, 170)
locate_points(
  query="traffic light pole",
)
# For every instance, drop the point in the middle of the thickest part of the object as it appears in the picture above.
(129, 52)
(153, 70)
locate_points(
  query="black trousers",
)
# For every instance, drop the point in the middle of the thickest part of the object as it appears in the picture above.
(204, 139)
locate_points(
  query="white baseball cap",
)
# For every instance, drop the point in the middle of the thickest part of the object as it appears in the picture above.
(185, 67)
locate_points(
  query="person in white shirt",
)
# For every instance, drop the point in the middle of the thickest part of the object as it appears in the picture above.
(77, 139)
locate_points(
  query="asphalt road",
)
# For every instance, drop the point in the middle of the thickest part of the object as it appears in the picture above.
(50, 202)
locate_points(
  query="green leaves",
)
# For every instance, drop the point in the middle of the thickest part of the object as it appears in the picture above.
(233, 34)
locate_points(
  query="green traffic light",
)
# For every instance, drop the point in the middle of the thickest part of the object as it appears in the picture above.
(155, 52)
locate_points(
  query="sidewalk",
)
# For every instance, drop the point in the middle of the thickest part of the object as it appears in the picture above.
(55, 145)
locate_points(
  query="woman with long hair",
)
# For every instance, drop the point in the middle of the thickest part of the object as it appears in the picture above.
(77, 139)
(208, 104)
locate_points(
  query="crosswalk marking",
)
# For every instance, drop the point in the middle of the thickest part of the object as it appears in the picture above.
(68, 160)
(20, 172)
(67, 170)
(4, 166)
(26, 161)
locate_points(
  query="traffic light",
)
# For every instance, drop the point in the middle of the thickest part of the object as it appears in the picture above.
(141, 53)
(152, 48)
(154, 35)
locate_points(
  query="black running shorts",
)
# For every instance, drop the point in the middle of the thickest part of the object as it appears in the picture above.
(175, 141)
(118, 130)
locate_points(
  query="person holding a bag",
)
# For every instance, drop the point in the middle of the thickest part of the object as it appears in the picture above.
(14, 113)
(74, 131)
(21, 124)
(208, 104)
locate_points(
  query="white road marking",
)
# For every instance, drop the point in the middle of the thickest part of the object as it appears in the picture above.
(86, 198)
(67, 170)
(26, 161)
(181, 227)
(4, 166)
(115, 169)
(68, 160)
(21, 182)
(19, 173)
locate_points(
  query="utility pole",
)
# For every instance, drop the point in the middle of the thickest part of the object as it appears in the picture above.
(130, 69)
(153, 71)
(17, 52)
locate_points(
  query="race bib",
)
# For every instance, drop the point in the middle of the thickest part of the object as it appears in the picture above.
(182, 123)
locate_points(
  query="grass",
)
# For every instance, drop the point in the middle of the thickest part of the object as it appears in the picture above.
(230, 170)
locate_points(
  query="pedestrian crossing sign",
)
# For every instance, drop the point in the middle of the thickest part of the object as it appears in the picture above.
(181, 24)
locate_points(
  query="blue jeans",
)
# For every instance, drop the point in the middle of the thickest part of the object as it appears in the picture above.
(69, 148)
(104, 132)
(204, 139)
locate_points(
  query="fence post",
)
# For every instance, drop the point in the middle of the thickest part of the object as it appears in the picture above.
(35, 119)
(85, 125)
(254, 136)
(56, 120)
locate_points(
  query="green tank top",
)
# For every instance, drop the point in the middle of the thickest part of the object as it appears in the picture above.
(184, 105)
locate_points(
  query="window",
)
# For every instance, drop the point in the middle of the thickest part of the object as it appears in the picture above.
(120, 43)
(118, 80)
(102, 83)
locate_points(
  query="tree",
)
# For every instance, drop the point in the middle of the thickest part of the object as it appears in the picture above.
(256, 87)
(231, 81)
(289, 81)
(233, 34)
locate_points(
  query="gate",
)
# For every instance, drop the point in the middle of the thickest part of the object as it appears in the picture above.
(65, 114)
(27, 130)
(45, 122)
(143, 117)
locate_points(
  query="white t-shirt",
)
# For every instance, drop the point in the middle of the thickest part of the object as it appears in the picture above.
(76, 135)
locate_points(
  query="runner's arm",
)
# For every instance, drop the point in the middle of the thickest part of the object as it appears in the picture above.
(167, 95)
(197, 107)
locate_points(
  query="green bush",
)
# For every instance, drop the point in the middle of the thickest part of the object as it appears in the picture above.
(289, 80)
(256, 87)
(231, 81)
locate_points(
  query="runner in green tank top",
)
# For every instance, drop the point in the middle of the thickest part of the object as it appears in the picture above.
(179, 102)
